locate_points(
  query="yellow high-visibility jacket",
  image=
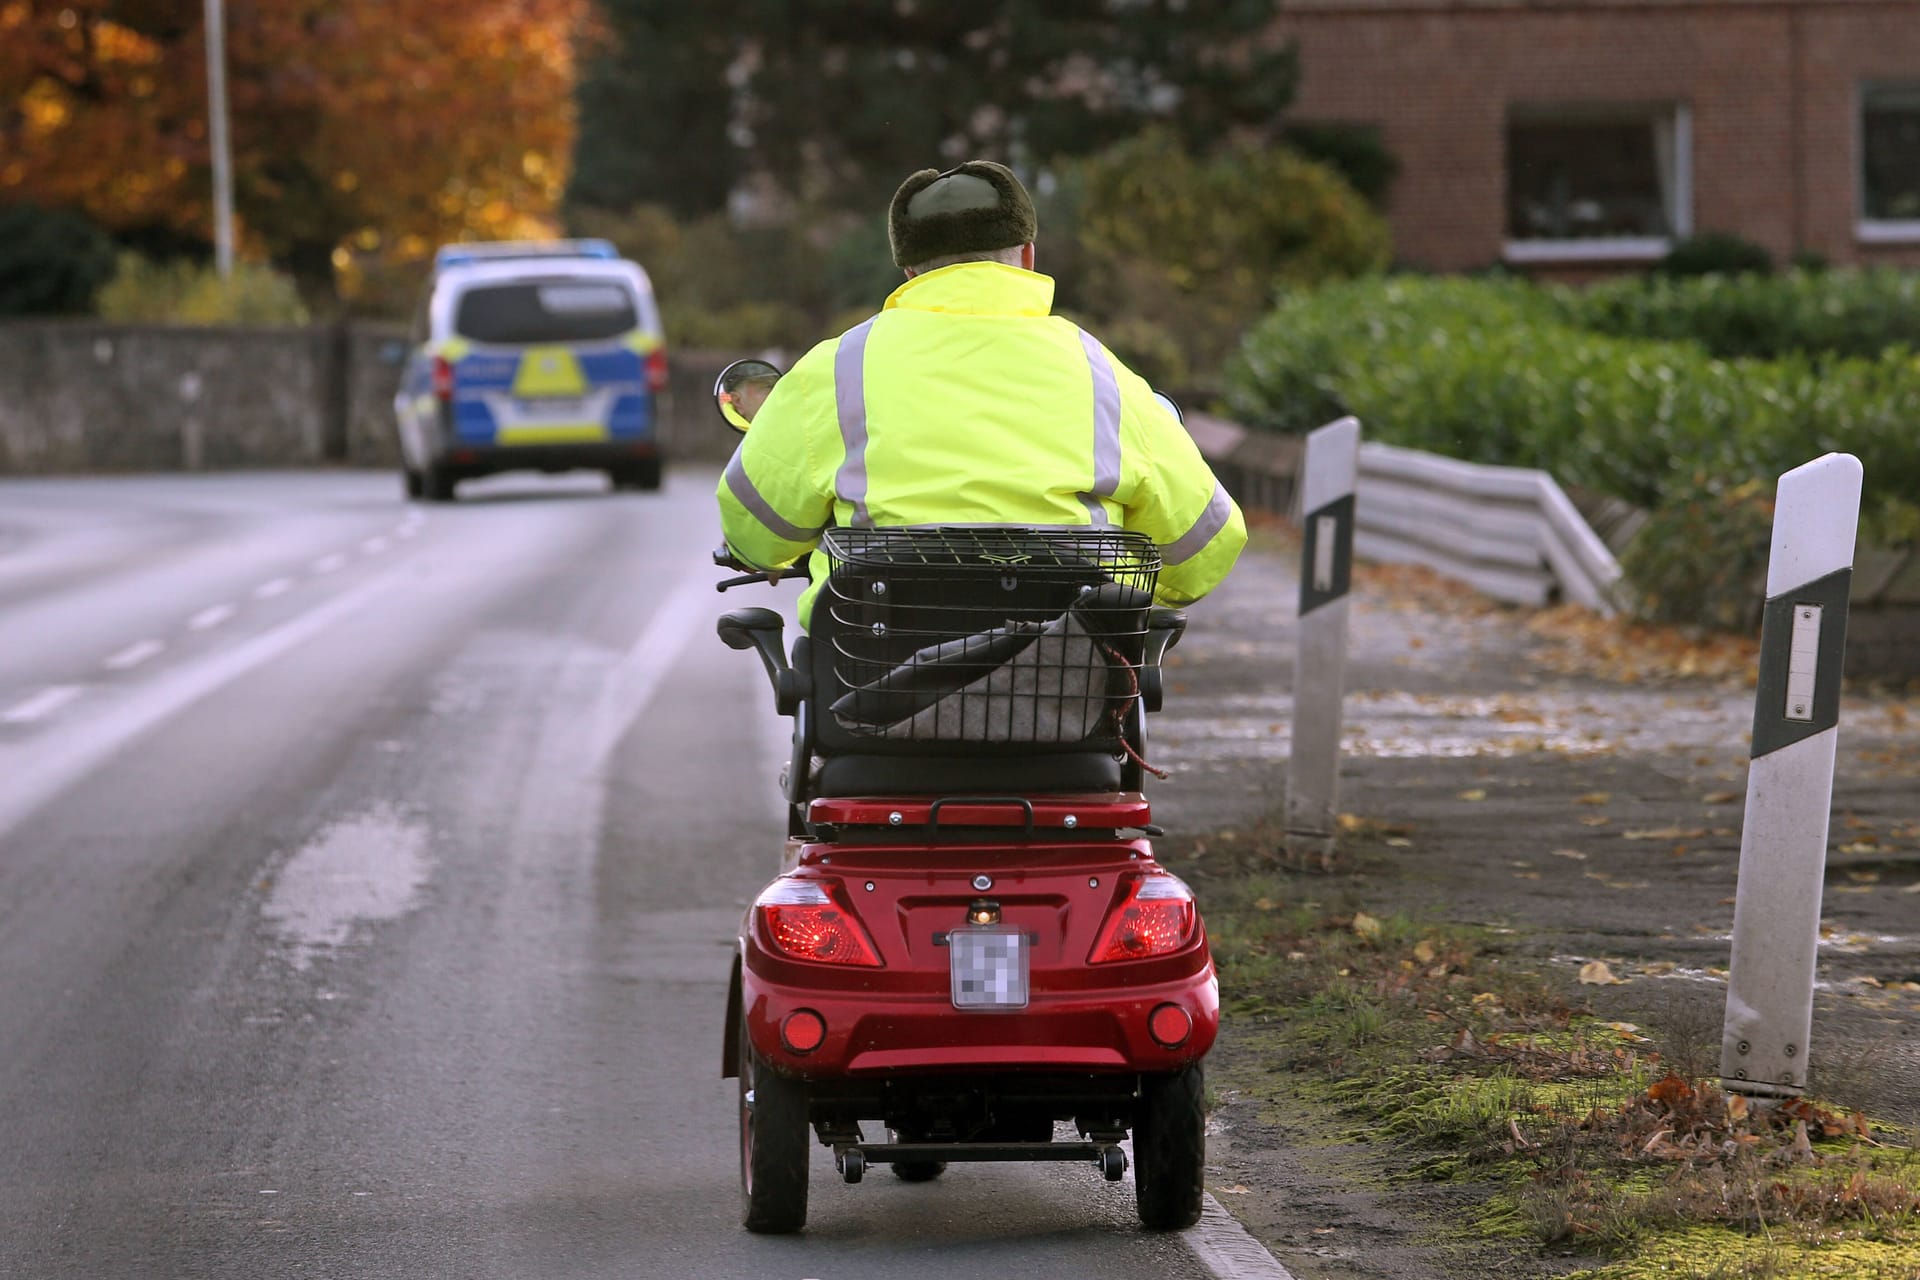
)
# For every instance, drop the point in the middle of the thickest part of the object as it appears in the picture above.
(965, 401)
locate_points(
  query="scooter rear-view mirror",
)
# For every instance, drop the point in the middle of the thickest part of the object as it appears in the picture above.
(740, 390)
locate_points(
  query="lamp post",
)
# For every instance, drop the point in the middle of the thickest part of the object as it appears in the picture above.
(217, 137)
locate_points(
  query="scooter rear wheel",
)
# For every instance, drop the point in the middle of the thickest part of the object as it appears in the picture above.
(1170, 1149)
(773, 1148)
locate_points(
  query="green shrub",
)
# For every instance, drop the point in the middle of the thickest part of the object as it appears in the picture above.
(1716, 253)
(1356, 152)
(182, 292)
(1199, 246)
(742, 325)
(726, 286)
(51, 262)
(1492, 371)
(1830, 313)
(1702, 557)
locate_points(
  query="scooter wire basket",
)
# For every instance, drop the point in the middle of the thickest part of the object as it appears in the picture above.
(986, 635)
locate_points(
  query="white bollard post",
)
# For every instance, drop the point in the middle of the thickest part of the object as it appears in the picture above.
(1328, 474)
(1796, 732)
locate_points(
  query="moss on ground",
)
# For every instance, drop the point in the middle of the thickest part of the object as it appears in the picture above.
(1472, 1064)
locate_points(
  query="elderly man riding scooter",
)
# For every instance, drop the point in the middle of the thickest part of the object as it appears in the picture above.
(971, 942)
(966, 402)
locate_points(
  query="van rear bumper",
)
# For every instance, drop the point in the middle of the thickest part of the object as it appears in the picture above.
(599, 455)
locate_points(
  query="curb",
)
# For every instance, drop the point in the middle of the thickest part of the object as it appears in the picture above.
(1227, 1251)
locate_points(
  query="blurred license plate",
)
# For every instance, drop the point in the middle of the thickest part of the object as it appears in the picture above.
(989, 968)
(554, 407)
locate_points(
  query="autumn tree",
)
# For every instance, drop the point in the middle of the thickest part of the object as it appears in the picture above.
(370, 124)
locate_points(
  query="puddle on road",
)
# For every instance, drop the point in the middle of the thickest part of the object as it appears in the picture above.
(364, 870)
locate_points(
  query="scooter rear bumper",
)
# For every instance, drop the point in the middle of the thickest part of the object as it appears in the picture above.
(1088, 1029)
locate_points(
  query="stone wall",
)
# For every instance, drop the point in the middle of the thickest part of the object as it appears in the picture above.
(1883, 619)
(82, 396)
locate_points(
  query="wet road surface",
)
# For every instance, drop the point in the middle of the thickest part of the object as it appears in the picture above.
(367, 874)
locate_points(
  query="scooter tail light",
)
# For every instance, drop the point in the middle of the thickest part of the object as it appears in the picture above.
(1156, 918)
(805, 922)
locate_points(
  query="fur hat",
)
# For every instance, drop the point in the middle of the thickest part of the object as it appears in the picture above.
(972, 208)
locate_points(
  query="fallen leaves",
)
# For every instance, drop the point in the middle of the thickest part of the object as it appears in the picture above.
(1366, 927)
(1665, 833)
(1598, 973)
(1475, 794)
(1575, 854)
(1582, 642)
(1594, 797)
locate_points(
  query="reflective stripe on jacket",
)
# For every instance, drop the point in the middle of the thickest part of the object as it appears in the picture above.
(966, 402)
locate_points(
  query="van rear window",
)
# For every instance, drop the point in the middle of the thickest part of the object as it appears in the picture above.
(546, 311)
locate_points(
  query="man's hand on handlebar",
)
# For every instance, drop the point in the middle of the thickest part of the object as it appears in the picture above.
(723, 557)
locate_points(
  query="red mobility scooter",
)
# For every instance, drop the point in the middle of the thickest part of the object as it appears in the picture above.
(971, 939)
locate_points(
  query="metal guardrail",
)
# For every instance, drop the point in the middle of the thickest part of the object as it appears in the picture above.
(1509, 532)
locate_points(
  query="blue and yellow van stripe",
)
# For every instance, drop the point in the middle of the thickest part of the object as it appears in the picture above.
(545, 372)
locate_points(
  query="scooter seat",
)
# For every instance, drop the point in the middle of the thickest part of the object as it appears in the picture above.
(865, 775)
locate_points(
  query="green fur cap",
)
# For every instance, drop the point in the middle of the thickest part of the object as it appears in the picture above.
(973, 208)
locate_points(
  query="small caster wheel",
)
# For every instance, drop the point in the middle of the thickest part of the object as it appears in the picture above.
(853, 1165)
(1113, 1164)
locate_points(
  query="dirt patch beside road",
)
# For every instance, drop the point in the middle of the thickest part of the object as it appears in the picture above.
(1503, 784)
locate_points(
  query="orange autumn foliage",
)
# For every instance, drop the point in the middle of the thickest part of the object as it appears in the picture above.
(363, 123)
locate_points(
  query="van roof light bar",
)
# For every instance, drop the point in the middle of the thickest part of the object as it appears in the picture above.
(454, 255)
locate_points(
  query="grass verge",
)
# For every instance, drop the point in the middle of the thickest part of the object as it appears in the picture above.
(1591, 1137)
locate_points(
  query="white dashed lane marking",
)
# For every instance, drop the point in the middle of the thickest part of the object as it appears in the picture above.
(374, 546)
(41, 705)
(268, 590)
(330, 563)
(133, 655)
(210, 617)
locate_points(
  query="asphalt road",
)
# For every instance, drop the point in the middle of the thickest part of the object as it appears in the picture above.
(367, 874)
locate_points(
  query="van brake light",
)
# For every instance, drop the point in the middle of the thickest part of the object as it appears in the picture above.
(442, 378)
(657, 370)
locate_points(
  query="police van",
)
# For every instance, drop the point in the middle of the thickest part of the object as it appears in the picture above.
(542, 356)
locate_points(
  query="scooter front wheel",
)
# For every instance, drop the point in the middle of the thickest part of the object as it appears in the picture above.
(773, 1147)
(914, 1170)
(1170, 1149)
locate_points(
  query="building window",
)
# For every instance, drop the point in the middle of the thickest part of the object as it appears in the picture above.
(1588, 181)
(1890, 162)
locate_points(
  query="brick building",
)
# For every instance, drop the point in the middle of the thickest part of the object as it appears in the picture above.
(1573, 135)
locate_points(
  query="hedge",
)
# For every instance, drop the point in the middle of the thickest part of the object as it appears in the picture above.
(1496, 371)
(1839, 313)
